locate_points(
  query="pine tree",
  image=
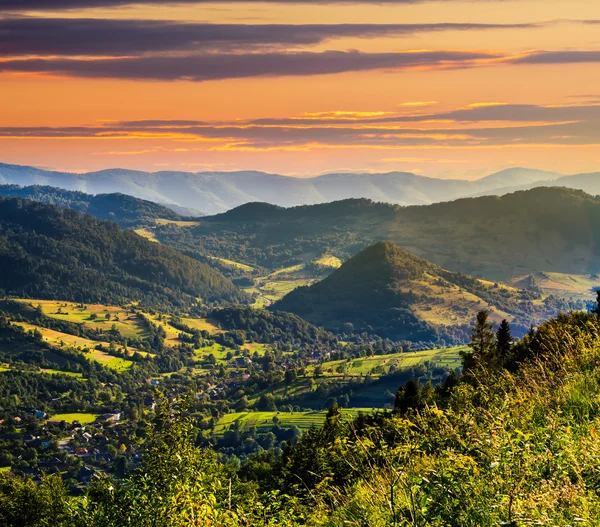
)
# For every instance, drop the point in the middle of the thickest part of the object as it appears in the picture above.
(482, 343)
(482, 339)
(596, 309)
(503, 340)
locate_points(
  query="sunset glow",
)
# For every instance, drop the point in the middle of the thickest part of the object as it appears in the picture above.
(446, 88)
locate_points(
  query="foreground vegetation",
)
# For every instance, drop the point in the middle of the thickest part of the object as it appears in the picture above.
(512, 442)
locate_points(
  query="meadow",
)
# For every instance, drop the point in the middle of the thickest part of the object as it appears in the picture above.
(95, 316)
(263, 421)
(378, 365)
(81, 417)
(86, 346)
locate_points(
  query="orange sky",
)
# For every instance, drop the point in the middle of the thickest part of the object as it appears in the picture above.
(72, 110)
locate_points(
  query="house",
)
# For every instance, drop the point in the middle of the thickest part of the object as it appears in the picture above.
(54, 465)
(86, 436)
(111, 417)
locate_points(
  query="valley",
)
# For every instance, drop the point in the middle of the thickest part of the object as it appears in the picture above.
(270, 330)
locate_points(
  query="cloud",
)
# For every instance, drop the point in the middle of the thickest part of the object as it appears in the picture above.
(66, 36)
(475, 113)
(217, 66)
(580, 129)
(54, 5)
(559, 57)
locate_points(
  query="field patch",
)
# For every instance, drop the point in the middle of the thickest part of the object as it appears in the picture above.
(263, 421)
(85, 346)
(146, 233)
(202, 324)
(327, 260)
(81, 417)
(162, 221)
(231, 263)
(378, 365)
(94, 316)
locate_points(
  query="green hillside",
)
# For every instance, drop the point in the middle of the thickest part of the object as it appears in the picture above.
(539, 230)
(46, 252)
(390, 292)
(125, 210)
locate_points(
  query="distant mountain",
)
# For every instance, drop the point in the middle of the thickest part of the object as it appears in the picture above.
(48, 252)
(127, 211)
(589, 183)
(391, 292)
(216, 192)
(516, 177)
(539, 230)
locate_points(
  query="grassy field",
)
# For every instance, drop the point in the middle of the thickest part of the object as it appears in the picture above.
(81, 418)
(327, 260)
(60, 340)
(125, 321)
(231, 263)
(263, 421)
(146, 233)
(367, 395)
(287, 270)
(162, 221)
(273, 290)
(202, 324)
(576, 286)
(48, 371)
(380, 364)
(448, 296)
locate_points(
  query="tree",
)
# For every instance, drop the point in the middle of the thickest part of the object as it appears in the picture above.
(503, 340)
(482, 343)
(596, 310)
(408, 396)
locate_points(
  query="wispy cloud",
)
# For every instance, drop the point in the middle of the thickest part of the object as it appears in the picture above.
(559, 57)
(469, 127)
(53, 5)
(94, 37)
(218, 66)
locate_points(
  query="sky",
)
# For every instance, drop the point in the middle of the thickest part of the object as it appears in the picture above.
(445, 88)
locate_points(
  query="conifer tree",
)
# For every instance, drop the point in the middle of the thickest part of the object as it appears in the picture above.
(503, 340)
(596, 310)
(482, 343)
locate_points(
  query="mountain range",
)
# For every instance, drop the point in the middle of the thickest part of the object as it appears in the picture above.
(390, 292)
(493, 237)
(215, 192)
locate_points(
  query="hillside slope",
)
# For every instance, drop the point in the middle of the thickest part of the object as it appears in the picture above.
(390, 292)
(125, 210)
(540, 230)
(46, 252)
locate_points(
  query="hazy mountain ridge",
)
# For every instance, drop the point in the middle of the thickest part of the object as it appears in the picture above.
(215, 192)
(126, 210)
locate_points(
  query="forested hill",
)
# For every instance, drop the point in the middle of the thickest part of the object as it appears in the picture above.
(539, 230)
(48, 252)
(390, 292)
(126, 210)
